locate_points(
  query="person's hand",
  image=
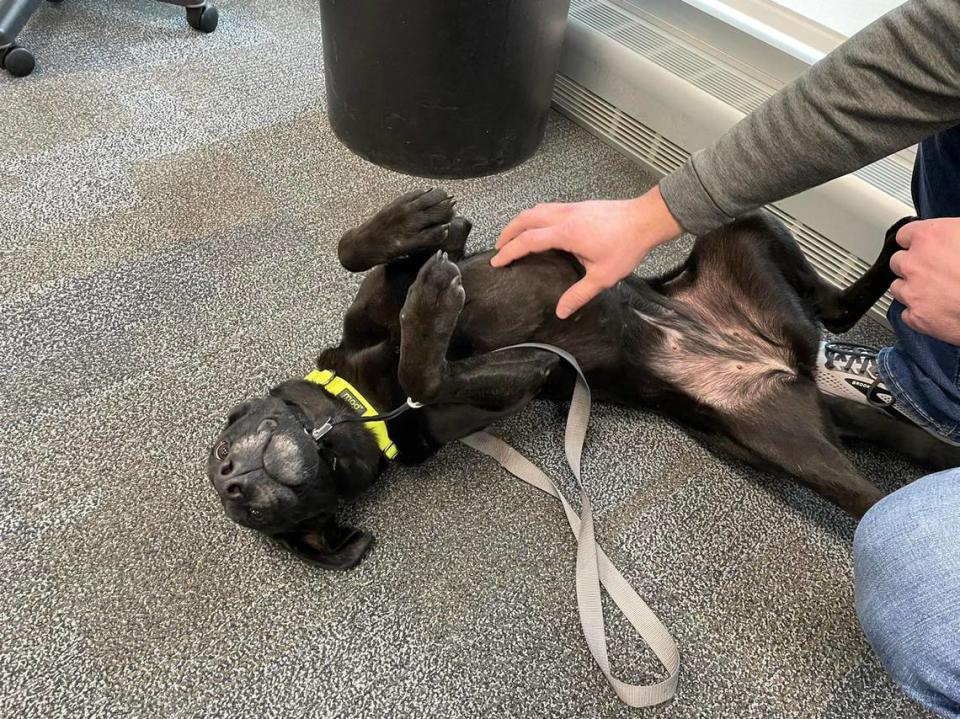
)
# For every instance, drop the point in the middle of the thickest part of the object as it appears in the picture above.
(609, 238)
(929, 270)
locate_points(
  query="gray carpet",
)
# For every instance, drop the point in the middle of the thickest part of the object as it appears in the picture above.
(170, 204)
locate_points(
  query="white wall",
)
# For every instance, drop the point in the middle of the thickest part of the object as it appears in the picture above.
(844, 16)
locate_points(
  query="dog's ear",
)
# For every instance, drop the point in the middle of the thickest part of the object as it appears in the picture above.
(329, 545)
(237, 412)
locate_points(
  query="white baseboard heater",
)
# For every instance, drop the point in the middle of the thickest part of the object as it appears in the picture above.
(654, 95)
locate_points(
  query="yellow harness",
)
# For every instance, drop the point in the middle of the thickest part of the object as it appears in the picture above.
(341, 389)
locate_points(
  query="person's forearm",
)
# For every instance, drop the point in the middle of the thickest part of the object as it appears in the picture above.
(890, 86)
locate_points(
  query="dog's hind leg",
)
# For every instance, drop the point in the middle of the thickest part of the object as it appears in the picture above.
(790, 429)
(839, 310)
(410, 227)
(858, 421)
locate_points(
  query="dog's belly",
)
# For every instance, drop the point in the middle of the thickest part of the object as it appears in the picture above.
(723, 349)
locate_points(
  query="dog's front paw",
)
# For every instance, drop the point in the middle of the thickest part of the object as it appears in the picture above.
(421, 210)
(427, 321)
(417, 220)
(435, 299)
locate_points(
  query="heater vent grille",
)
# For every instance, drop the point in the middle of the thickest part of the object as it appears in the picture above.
(704, 71)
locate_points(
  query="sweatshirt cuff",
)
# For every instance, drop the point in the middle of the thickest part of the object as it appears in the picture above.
(689, 202)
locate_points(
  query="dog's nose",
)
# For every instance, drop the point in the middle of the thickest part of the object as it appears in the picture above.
(228, 481)
(231, 487)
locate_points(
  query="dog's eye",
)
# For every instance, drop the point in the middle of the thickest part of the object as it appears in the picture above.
(222, 450)
(253, 513)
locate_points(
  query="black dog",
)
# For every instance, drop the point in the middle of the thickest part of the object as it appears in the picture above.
(726, 343)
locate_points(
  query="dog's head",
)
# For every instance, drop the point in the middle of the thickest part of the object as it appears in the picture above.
(272, 476)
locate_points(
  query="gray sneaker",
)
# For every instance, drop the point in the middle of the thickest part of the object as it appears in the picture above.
(849, 371)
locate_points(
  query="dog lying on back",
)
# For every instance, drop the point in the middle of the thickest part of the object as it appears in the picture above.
(726, 343)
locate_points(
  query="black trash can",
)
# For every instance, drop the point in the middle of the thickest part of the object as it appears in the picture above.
(441, 88)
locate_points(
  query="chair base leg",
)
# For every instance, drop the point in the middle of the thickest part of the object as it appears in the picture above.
(13, 16)
(19, 61)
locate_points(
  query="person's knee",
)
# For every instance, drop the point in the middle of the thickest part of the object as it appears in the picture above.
(882, 579)
(877, 566)
(907, 579)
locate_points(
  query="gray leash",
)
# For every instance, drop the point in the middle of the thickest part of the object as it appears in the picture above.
(593, 566)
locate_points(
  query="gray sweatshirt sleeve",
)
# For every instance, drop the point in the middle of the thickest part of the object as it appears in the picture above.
(888, 87)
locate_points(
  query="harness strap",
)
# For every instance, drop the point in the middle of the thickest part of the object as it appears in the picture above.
(339, 387)
(593, 566)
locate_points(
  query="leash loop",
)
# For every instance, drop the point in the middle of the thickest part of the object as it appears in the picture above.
(594, 568)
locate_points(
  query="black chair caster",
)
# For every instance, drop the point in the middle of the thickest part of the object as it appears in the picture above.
(18, 61)
(203, 18)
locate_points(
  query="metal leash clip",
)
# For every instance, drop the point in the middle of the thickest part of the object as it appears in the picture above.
(318, 432)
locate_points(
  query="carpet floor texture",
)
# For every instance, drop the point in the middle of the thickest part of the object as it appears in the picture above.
(170, 205)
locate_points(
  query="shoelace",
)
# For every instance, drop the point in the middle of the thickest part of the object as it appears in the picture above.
(848, 354)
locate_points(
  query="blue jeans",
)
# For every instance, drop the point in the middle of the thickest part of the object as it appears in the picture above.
(922, 373)
(907, 588)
